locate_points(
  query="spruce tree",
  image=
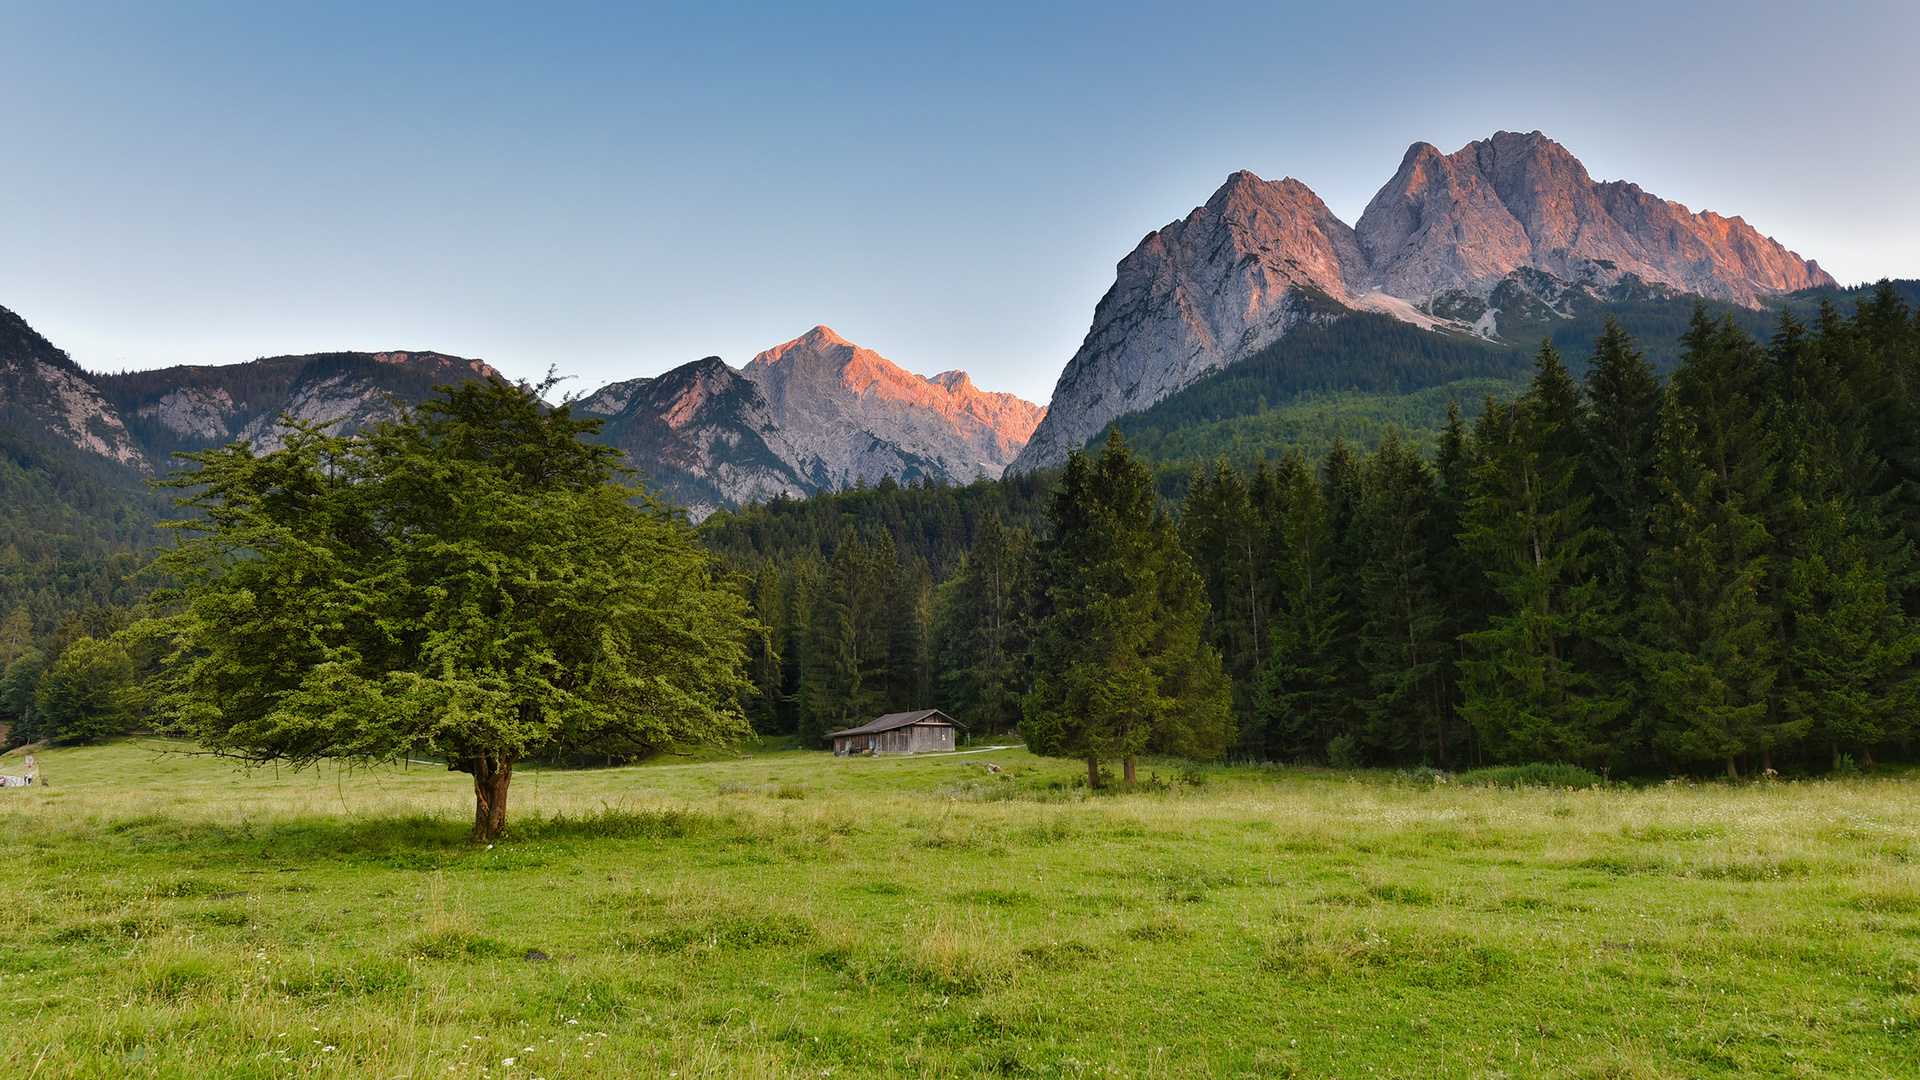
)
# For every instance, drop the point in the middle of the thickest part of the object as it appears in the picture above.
(1524, 689)
(1120, 666)
(1402, 647)
(1224, 531)
(1846, 645)
(851, 649)
(1710, 643)
(1304, 700)
(1466, 596)
(982, 629)
(1620, 431)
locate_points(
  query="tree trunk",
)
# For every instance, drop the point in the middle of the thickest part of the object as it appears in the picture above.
(1126, 766)
(1836, 757)
(491, 775)
(1093, 773)
(1866, 757)
(1733, 771)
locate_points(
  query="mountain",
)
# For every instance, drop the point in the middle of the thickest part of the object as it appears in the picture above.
(1497, 240)
(43, 390)
(1467, 220)
(700, 432)
(195, 407)
(817, 413)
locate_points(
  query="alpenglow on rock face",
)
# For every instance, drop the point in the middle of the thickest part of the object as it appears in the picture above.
(1236, 274)
(817, 413)
(1468, 219)
(1198, 295)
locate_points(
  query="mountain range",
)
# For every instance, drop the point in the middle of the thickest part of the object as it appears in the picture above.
(817, 412)
(1460, 243)
(1506, 240)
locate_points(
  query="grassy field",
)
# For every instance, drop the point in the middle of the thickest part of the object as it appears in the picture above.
(796, 915)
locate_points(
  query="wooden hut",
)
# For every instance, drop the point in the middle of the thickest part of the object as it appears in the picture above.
(900, 733)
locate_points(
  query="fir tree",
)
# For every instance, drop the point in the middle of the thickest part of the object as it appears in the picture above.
(1710, 638)
(1303, 701)
(1119, 664)
(1524, 690)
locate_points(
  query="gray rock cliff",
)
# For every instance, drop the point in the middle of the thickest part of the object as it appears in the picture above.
(1199, 294)
(1238, 273)
(1468, 219)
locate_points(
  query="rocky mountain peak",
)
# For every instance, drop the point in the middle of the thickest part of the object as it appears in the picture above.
(1444, 234)
(1199, 294)
(1466, 220)
(40, 385)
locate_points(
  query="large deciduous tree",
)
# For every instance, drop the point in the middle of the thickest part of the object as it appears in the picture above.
(470, 579)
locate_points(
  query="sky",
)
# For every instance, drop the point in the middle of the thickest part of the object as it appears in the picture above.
(611, 190)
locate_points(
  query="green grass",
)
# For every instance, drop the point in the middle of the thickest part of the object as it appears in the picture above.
(798, 915)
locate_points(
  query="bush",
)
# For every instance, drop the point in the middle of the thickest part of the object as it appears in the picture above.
(1538, 774)
(89, 692)
(1343, 752)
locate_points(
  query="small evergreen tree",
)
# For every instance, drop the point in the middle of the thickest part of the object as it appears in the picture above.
(982, 630)
(1304, 702)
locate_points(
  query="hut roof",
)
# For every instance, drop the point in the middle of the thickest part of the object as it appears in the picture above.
(897, 720)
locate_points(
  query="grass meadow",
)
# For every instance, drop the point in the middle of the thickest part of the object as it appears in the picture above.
(796, 915)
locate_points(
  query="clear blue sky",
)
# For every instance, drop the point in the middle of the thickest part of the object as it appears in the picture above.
(618, 189)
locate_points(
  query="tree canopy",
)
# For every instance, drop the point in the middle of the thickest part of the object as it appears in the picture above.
(471, 579)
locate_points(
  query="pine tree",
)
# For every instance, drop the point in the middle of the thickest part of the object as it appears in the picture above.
(1524, 690)
(1709, 635)
(1119, 664)
(1402, 647)
(1303, 702)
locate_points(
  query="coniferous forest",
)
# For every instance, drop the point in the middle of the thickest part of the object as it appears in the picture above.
(1707, 570)
(1714, 571)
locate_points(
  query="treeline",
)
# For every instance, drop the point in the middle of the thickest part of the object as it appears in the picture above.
(1605, 571)
(1714, 571)
(845, 585)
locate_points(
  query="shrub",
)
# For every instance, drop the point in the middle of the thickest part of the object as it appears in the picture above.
(1343, 752)
(1539, 774)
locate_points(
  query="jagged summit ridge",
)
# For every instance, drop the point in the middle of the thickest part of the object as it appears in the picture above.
(1468, 219)
(1239, 272)
(817, 412)
(1197, 295)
